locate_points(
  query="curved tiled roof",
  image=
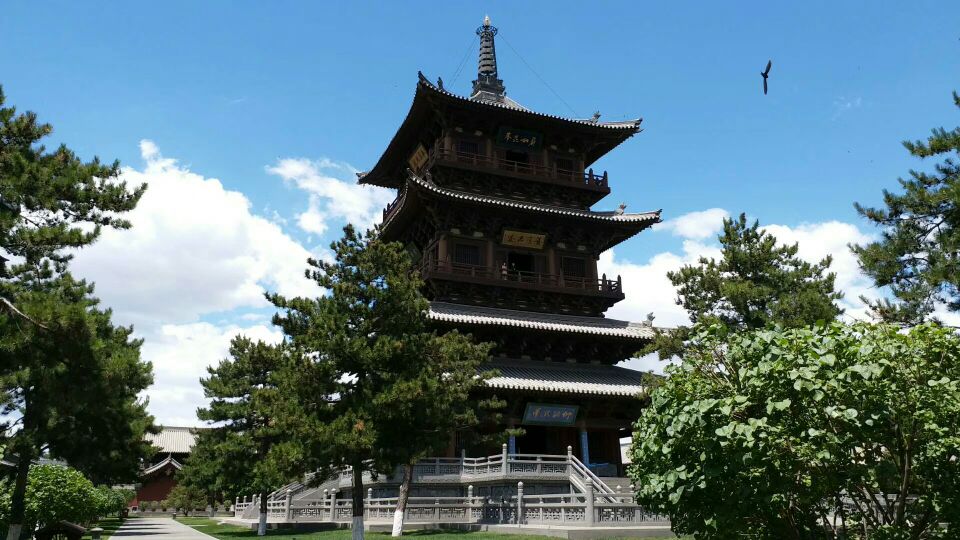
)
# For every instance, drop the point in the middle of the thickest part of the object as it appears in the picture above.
(159, 466)
(641, 217)
(514, 106)
(531, 375)
(173, 439)
(464, 314)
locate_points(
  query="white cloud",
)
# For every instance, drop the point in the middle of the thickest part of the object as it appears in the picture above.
(648, 290)
(180, 356)
(696, 225)
(195, 250)
(818, 240)
(329, 196)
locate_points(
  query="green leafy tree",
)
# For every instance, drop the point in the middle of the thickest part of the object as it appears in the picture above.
(918, 253)
(243, 393)
(54, 493)
(832, 431)
(53, 339)
(374, 387)
(112, 500)
(186, 498)
(757, 282)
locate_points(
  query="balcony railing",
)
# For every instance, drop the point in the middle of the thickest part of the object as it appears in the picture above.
(518, 278)
(598, 182)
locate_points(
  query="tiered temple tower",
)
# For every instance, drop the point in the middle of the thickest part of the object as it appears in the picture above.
(494, 201)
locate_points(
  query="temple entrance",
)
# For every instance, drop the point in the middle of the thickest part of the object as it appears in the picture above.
(547, 440)
(520, 262)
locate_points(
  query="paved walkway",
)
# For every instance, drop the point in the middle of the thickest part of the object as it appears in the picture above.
(161, 528)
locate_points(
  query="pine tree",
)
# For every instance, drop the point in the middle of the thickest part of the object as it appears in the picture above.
(67, 374)
(375, 387)
(71, 379)
(918, 254)
(243, 392)
(756, 283)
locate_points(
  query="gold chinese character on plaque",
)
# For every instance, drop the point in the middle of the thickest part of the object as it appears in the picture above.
(418, 159)
(523, 239)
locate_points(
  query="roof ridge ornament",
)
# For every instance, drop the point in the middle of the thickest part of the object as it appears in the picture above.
(487, 87)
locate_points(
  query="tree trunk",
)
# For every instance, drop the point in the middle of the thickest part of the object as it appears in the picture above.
(262, 527)
(402, 499)
(357, 525)
(18, 499)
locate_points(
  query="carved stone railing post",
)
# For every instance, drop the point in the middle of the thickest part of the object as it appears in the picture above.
(236, 505)
(519, 503)
(288, 503)
(506, 467)
(333, 504)
(366, 506)
(470, 503)
(323, 504)
(588, 511)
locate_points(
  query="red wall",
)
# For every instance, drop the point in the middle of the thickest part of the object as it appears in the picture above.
(155, 488)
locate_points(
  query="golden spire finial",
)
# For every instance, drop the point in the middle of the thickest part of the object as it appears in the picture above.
(486, 20)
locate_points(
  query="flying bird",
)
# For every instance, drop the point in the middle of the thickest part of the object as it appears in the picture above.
(766, 73)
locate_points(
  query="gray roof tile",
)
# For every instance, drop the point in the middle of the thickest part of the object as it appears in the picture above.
(566, 378)
(464, 314)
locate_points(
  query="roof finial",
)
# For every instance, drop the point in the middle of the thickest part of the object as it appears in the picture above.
(487, 82)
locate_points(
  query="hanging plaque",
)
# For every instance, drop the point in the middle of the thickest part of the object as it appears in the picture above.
(418, 159)
(519, 138)
(550, 415)
(523, 239)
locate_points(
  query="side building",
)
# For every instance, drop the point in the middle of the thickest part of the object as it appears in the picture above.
(158, 477)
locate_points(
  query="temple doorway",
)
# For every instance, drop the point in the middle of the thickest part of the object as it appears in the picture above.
(550, 440)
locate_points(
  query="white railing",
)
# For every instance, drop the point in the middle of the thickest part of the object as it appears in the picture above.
(596, 504)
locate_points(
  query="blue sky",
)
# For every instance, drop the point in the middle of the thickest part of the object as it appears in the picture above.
(277, 100)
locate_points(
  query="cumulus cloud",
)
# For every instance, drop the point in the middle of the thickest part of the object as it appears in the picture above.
(180, 354)
(195, 251)
(696, 225)
(329, 196)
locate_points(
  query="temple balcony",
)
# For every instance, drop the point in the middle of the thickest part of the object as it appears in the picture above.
(530, 170)
(602, 287)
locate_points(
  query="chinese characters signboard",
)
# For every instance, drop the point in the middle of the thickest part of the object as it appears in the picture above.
(519, 138)
(418, 159)
(523, 239)
(550, 415)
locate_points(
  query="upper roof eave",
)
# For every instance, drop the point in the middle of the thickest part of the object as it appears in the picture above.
(642, 219)
(380, 173)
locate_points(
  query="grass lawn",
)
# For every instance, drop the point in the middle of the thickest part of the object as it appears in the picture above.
(109, 526)
(230, 532)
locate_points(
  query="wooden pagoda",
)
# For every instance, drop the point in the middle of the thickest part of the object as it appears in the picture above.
(494, 201)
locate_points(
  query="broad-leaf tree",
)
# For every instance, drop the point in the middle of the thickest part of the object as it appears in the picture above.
(243, 392)
(375, 388)
(918, 253)
(755, 283)
(833, 431)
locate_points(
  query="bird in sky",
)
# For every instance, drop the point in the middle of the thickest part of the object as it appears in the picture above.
(766, 73)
